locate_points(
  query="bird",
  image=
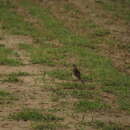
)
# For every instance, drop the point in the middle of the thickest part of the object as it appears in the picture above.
(77, 73)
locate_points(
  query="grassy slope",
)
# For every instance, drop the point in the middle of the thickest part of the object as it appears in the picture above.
(102, 77)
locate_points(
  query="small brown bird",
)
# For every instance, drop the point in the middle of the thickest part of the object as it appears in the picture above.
(77, 73)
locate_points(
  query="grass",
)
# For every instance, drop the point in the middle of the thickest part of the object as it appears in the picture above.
(106, 126)
(122, 91)
(47, 56)
(2, 45)
(4, 94)
(86, 106)
(33, 115)
(60, 94)
(21, 73)
(60, 74)
(69, 85)
(44, 54)
(71, 8)
(101, 32)
(117, 8)
(74, 90)
(124, 104)
(125, 46)
(81, 48)
(53, 28)
(38, 54)
(6, 97)
(13, 77)
(94, 30)
(25, 46)
(82, 94)
(49, 126)
(13, 22)
(6, 57)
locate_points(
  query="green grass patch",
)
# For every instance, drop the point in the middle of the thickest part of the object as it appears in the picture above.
(89, 24)
(8, 61)
(33, 115)
(25, 46)
(69, 85)
(119, 85)
(6, 97)
(12, 21)
(6, 57)
(21, 73)
(53, 28)
(49, 56)
(83, 94)
(97, 124)
(74, 89)
(117, 8)
(4, 94)
(76, 85)
(49, 126)
(124, 103)
(60, 94)
(121, 90)
(61, 74)
(41, 54)
(102, 70)
(85, 106)
(101, 32)
(13, 78)
(2, 45)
